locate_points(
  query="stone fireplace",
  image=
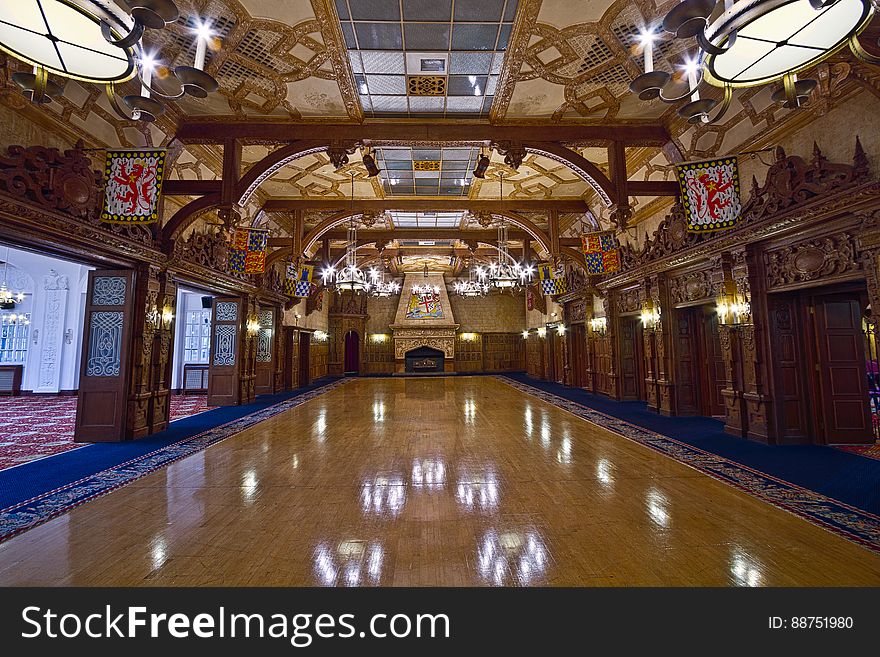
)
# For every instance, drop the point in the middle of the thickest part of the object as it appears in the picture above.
(436, 333)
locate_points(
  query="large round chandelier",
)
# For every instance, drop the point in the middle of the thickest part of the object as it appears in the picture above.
(750, 43)
(100, 41)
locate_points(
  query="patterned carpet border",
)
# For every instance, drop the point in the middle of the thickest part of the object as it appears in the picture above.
(849, 522)
(26, 515)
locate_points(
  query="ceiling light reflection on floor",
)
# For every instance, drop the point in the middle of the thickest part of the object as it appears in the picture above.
(358, 562)
(383, 496)
(521, 555)
(429, 473)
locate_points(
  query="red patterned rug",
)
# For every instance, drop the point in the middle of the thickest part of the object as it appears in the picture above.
(871, 451)
(35, 426)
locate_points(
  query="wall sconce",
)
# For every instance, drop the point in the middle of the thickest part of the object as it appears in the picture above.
(253, 326)
(297, 316)
(468, 337)
(542, 332)
(525, 335)
(321, 336)
(732, 312)
(379, 337)
(167, 317)
(650, 317)
(561, 329)
(599, 325)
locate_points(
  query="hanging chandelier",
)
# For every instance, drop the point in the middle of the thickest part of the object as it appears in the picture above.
(350, 278)
(100, 42)
(474, 286)
(380, 287)
(505, 273)
(748, 43)
(8, 298)
(425, 289)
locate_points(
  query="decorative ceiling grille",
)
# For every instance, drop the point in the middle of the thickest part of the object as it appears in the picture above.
(426, 85)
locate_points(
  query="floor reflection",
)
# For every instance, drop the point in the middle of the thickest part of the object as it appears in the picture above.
(429, 473)
(384, 496)
(746, 571)
(512, 557)
(349, 563)
(479, 493)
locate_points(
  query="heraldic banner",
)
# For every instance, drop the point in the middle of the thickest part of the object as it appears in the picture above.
(247, 252)
(602, 252)
(298, 282)
(551, 283)
(133, 186)
(710, 194)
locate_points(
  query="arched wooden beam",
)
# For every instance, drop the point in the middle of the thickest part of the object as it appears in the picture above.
(585, 169)
(277, 254)
(278, 159)
(576, 256)
(185, 216)
(330, 223)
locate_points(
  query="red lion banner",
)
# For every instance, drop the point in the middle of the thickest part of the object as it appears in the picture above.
(133, 186)
(710, 194)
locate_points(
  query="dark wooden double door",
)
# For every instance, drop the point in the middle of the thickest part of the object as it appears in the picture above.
(818, 361)
(698, 362)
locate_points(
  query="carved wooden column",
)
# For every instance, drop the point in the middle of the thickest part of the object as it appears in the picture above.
(749, 278)
(611, 331)
(278, 348)
(144, 324)
(649, 343)
(165, 314)
(724, 285)
(248, 362)
(588, 382)
(659, 301)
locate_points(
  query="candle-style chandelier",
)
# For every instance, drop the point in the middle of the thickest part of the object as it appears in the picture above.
(746, 43)
(350, 278)
(101, 42)
(475, 285)
(505, 272)
(8, 298)
(380, 287)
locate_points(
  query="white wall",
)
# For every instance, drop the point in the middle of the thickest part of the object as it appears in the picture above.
(187, 300)
(56, 300)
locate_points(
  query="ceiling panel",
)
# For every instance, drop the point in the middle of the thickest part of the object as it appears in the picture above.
(426, 39)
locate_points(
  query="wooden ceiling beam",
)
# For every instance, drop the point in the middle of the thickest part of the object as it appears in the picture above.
(652, 187)
(215, 132)
(427, 234)
(413, 204)
(191, 187)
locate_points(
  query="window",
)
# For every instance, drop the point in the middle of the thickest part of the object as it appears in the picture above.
(14, 338)
(197, 338)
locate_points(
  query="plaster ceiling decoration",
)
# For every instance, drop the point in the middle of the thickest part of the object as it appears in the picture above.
(578, 65)
(417, 263)
(538, 177)
(313, 176)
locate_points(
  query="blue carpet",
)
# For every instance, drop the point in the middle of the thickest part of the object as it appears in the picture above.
(843, 476)
(31, 479)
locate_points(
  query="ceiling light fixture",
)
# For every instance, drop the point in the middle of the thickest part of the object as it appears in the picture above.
(99, 42)
(750, 43)
(482, 165)
(370, 162)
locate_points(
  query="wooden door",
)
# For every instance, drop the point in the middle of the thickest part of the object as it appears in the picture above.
(223, 375)
(305, 374)
(842, 376)
(792, 395)
(291, 358)
(265, 365)
(352, 356)
(630, 357)
(687, 361)
(715, 380)
(104, 380)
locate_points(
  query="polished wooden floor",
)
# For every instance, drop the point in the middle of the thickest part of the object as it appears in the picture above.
(451, 481)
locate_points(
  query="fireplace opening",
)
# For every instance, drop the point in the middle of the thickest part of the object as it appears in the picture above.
(424, 360)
